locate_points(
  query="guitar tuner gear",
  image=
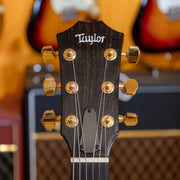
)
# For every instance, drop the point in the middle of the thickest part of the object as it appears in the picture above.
(49, 119)
(50, 86)
(130, 86)
(107, 121)
(72, 87)
(69, 54)
(71, 121)
(130, 119)
(48, 54)
(132, 55)
(110, 54)
(107, 87)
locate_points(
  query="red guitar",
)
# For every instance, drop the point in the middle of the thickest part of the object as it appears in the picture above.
(52, 16)
(157, 27)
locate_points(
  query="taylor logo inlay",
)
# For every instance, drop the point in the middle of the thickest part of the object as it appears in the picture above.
(90, 39)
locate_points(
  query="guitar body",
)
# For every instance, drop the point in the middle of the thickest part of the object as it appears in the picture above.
(157, 36)
(45, 23)
(155, 31)
(1, 15)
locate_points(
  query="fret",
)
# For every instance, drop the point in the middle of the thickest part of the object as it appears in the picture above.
(94, 171)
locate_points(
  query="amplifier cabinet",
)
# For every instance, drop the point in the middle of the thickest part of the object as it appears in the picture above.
(149, 150)
(11, 164)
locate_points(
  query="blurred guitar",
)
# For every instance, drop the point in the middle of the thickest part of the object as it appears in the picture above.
(52, 16)
(157, 32)
(1, 15)
(157, 27)
(89, 56)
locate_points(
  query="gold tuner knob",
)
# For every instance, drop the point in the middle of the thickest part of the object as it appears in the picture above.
(48, 54)
(49, 119)
(132, 55)
(50, 86)
(130, 119)
(130, 86)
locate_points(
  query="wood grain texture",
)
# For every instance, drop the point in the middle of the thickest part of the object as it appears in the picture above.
(89, 67)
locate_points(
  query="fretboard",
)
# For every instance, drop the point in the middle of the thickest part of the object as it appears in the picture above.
(90, 171)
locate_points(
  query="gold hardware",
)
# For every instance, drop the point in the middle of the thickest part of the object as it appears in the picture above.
(48, 54)
(107, 87)
(71, 121)
(107, 121)
(133, 54)
(49, 119)
(121, 118)
(110, 54)
(50, 86)
(121, 86)
(69, 54)
(130, 119)
(72, 87)
(130, 86)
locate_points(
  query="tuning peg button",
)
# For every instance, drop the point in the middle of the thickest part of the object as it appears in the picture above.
(130, 119)
(130, 86)
(48, 54)
(132, 55)
(49, 119)
(50, 86)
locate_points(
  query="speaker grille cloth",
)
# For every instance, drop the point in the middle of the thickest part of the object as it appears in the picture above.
(130, 159)
(6, 166)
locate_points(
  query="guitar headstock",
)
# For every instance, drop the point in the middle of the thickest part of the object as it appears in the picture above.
(90, 57)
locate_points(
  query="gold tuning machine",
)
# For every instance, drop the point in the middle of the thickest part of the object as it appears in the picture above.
(130, 86)
(48, 54)
(132, 55)
(130, 119)
(50, 86)
(50, 119)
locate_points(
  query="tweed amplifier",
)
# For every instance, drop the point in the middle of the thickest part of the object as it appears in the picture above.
(149, 150)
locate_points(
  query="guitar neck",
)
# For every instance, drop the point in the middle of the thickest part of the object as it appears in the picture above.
(90, 56)
(90, 171)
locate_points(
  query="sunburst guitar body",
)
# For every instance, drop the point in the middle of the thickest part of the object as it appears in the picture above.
(52, 16)
(157, 33)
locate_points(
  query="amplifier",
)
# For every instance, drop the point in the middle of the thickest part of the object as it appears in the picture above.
(11, 140)
(149, 150)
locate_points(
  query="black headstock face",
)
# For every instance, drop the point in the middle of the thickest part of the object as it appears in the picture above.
(89, 72)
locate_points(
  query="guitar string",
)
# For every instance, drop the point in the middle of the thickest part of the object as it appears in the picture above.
(102, 128)
(82, 134)
(78, 138)
(80, 119)
(77, 124)
(74, 149)
(104, 135)
(100, 107)
(96, 134)
(101, 135)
